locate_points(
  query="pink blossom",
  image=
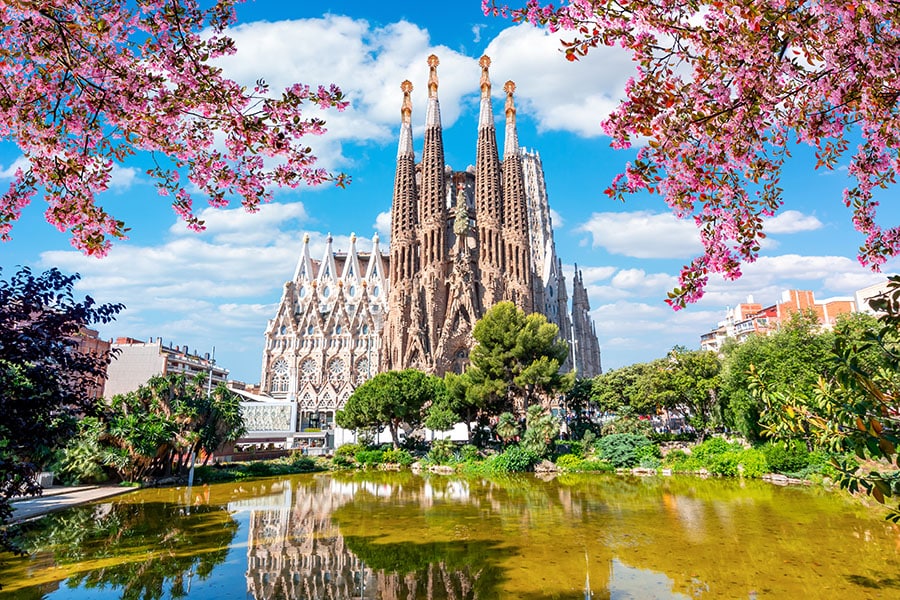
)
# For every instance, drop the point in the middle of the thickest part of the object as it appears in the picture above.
(84, 85)
(762, 74)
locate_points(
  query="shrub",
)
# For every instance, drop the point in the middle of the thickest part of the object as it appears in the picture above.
(753, 463)
(713, 446)
(441, 451)
(302, 463)
(259, 468)
(786, 457)
(682, 462)
(648, 455)
(514, 459)
(569, 462)
(370, 458)
(469, 453)
(596, 465)
(541, 429)
(342, 462)
(348, 451)
(401, 457)
(621, 450)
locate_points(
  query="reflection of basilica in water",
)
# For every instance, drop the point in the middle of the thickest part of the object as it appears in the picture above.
(296, 549)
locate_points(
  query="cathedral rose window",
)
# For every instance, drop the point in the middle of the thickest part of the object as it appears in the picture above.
(336, 370)
(308, 370)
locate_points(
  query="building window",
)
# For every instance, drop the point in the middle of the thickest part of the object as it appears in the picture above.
(308, 370)
(336, 370)
(280, 378)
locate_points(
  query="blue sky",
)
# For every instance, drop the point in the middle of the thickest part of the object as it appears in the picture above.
(218, 288)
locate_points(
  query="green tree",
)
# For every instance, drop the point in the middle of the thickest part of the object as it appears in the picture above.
(793, 358)
(46, 380)
(622, 387)
(688, 382)
(515, 360)
(160, 425)
(389, 400)
(855, 413)
(541, 428)
(579, 400)
(440, 415)
(507, 428)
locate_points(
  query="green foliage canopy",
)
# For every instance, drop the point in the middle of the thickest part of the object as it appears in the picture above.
(46, 380)
(388, 400)
(516, 357)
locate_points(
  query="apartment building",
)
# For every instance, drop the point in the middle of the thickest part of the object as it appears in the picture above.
(135, 361)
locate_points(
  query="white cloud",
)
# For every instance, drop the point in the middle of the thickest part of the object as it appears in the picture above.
(560, 95)
(19, 163)
(556, 219)
(383, 226)
(791, 221)
(237, 226)
(643, 234)
(367, 63)
(122, 178)
(476, 32)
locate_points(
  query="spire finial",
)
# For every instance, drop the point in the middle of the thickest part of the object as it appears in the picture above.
(433, 62)
(509, 87)
(305, 238)
(406, 109)
(485, 62)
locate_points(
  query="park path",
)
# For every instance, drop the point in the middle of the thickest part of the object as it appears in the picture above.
(60, 498)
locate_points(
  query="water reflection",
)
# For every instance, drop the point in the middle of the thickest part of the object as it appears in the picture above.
(399, 536)
(296, 548)
(144, 551)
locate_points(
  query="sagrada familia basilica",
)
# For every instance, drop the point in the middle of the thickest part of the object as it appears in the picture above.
(461, 241)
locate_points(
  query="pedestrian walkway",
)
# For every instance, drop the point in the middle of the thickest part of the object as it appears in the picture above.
(60, 498)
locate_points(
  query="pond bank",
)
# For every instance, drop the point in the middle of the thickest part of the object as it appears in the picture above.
(58, 498)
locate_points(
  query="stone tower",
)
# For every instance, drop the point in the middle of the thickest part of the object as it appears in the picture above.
(461, 241)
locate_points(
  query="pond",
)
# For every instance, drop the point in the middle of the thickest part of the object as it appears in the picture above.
(403, 536)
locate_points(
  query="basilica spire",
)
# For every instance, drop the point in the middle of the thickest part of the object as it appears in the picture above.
(404, 208)
(405, 148)
(432, 205)
(519, 269)
(433, 246)
(488, 197)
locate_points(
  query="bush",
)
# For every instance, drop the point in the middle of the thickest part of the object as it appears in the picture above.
(302, 463)
(648, 455)
(596, 465)
(624, 450)
(753, 463)
(441, 451)
(713, 446)
(259, 468)
(469, 453)
(400, 457)
(514, 459)
(569, 462)
(348, 451)
(786, 457)
(370, 458)
(682, 462)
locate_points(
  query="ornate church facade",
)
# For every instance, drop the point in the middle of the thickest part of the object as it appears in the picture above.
(461, 241)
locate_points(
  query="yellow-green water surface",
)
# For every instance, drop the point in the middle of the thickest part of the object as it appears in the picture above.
(402, 536)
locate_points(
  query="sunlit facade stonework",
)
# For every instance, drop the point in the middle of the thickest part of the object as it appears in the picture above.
(461, 241)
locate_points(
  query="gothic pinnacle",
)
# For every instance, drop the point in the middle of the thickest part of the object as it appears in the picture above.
(406, 108)
(433, 110)
(509, 87)
(433, 62)
(485, 62)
